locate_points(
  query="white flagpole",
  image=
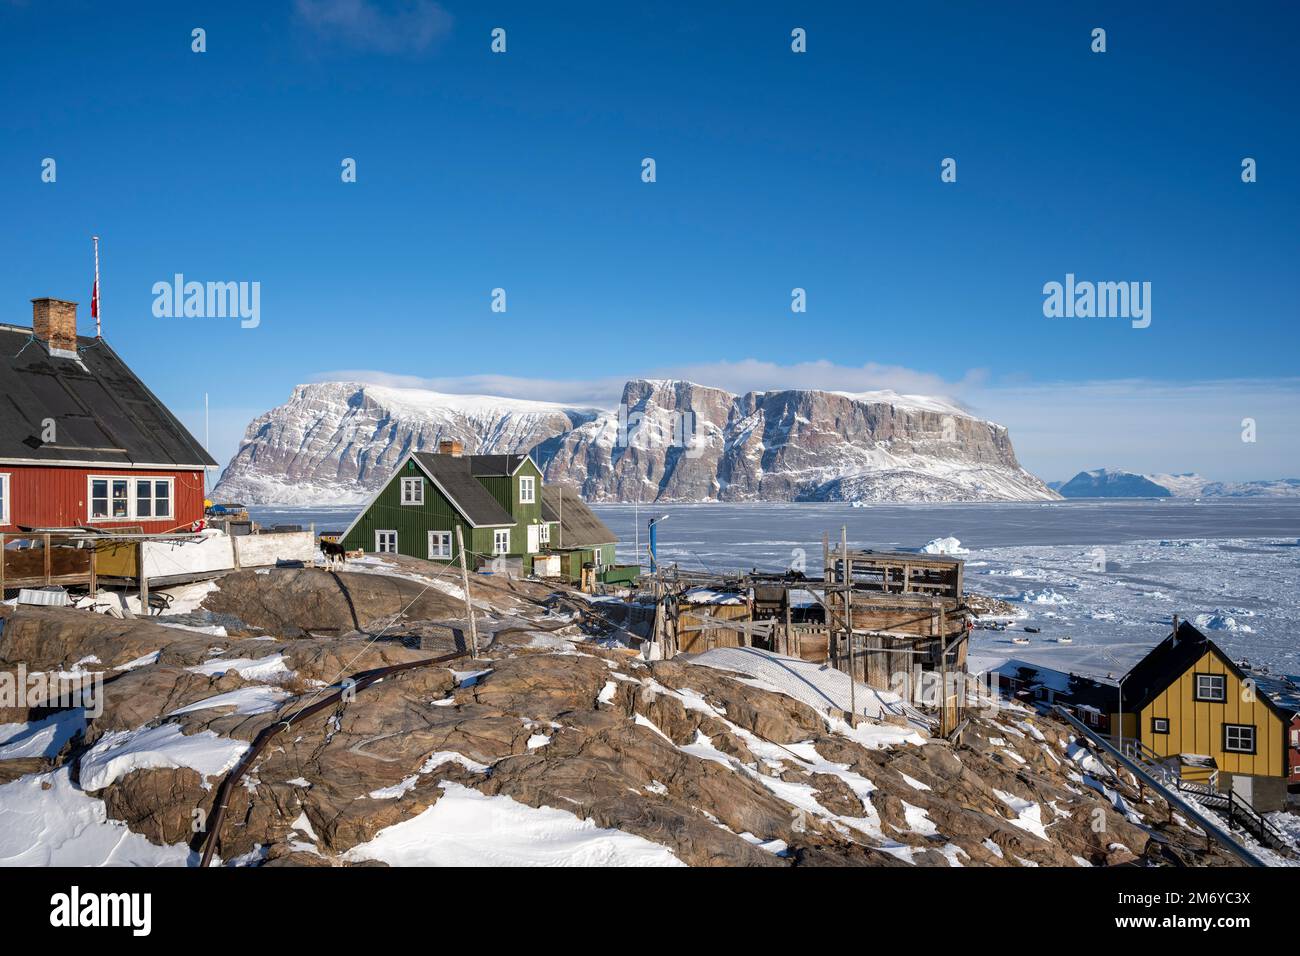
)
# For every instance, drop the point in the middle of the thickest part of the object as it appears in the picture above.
(99, 298)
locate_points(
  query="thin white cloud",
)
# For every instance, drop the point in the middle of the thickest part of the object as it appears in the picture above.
(397, 27)
(746, 375)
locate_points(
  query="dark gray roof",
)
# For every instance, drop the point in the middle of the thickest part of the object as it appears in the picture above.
(102, 412)
(1280, 689)
(579, 526)
(1171, 658)
(454, 475)
(493, 466)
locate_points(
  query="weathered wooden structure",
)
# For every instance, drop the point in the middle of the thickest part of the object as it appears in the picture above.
(897, 622)
(40, 560)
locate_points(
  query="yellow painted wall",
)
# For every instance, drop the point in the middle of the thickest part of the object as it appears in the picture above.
(1196, 727)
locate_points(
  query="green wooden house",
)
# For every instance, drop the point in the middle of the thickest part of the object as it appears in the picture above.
(495, 500)
(579, 536)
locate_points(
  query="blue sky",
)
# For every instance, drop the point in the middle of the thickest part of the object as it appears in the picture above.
(775, 171)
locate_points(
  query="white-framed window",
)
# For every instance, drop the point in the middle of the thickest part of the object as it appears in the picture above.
(153, 498)
(439, 545)
(123, 498)
(1295, 738)
(1160, 725)
(545, 533)
(386, 542)
(4, 499)
(1239, 738)
(527, 490)
(413, 491)
(501, 541)
(1212, 688)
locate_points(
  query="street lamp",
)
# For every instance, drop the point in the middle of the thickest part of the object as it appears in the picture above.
(654, 541)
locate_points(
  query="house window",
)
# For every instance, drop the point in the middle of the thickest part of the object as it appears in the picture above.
(1295, 738)
(545, 534)
(527, 490)
(1212, 688)
(439, 545)
(153, 498)
(1239, 738)
(122, 499)
(110, 498)
(501, 541)
(386, 542)
(413, 491)
(4, 499)
(1160, 725)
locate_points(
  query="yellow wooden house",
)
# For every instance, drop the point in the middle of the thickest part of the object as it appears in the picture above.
(1190, 700)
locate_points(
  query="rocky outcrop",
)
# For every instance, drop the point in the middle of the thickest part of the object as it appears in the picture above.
(692, 760)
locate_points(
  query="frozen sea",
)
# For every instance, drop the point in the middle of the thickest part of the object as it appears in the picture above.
(1109, 574)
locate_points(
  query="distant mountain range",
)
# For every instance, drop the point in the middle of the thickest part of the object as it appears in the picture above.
(1110, 483)
(337, 442)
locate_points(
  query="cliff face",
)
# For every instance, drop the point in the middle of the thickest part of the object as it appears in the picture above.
(669, 441)
(678, 441)
(335, 442)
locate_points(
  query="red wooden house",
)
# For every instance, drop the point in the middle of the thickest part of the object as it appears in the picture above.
(83, 443)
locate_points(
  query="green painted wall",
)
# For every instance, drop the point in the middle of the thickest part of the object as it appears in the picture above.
(506, 491)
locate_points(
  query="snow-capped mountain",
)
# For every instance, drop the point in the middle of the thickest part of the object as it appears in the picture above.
(336, 442)
(679, 441)
(1111, 483)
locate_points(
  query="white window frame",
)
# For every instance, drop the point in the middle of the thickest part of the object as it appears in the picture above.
(379, 548)
(444, 551)
(153, 515)
(5, 492)
(1242, 731)
(413, 491)
(1222, 693)
(1156, 725)
(544, 536)
(530, 483)
(496, 541)
(132, 504)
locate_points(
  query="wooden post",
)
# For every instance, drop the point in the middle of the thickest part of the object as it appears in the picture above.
(2, 566)
(464, 583)
(946, 725)
(47, 559)
(94, 573)
(787, 626)
(143, 578)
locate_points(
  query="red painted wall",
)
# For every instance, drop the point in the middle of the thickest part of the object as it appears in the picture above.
(56, 497)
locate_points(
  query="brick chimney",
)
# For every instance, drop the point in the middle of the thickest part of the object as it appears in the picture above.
(54, 322)
(451, 448)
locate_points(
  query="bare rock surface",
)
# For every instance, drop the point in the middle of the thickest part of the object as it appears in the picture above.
(681, 757)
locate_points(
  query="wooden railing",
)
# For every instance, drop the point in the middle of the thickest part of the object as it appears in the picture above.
(41, 560)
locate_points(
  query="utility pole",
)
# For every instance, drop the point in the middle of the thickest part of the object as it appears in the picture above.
(464, 583)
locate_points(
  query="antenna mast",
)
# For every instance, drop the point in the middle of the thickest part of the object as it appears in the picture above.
(94, 299)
